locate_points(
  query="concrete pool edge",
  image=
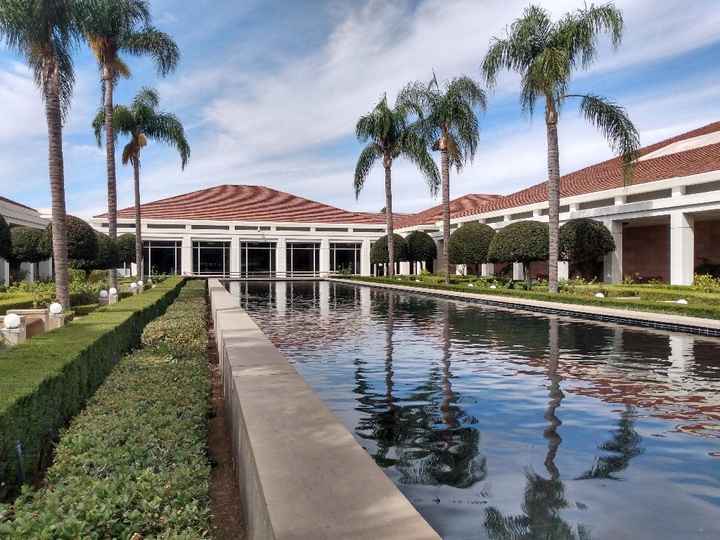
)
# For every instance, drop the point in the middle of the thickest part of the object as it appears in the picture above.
(642, 319)
(301, 472)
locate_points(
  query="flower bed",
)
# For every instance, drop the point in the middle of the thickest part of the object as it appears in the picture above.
(47, 381)
(134, 461)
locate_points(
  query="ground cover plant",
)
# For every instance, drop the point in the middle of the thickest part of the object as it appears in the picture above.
(47, 381)
(134, 461)
(701, 302)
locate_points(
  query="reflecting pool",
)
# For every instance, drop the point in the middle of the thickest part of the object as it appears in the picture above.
(500, 424)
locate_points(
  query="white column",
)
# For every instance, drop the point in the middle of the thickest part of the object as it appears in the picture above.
(613, 261)
(186, 262)
(45, 269)
(682, 249)
(365, 269)
(29, 269)
(235, 256)
(563, 270)
(324, 257)
(404, 268)
(518, 272)
(488, 269)
(280, 260)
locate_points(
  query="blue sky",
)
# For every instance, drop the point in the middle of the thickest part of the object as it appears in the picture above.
(270, 91)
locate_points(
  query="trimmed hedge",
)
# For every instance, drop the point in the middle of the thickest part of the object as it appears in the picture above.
(379, 251)
(521, 242)
(47, 381)
(5, 242)
(82, 243)
(29, 245)
(421, 247)
(469, 244)
(134, 461)
(126, 248)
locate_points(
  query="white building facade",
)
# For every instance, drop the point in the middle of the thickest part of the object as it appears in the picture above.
(16, 214)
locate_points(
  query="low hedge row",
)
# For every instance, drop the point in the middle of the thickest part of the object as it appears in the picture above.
(47, 381)
(133, 464)
(708, 311)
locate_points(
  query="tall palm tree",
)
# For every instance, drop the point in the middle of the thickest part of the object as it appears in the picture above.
(447, 120)
(389, 136)
(141, 121)
(112, 27)
(44, 32)
(546, 54)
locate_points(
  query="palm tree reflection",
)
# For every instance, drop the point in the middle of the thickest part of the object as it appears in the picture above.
(544, 498)
(424, 433)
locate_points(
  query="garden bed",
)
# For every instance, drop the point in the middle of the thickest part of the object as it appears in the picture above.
(133, 464)
(648, 298)
(47, 381)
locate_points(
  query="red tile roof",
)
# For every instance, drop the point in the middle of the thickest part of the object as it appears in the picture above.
(248, 203)
(257, 203)
(472, 201)
(609, 175)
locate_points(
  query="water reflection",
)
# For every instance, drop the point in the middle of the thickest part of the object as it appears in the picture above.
(503, 425)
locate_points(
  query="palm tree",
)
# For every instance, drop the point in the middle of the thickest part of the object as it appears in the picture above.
(44, 32)
(112, 27)
(142, 122)
(447, 120)
(390, 136)
(546, 54)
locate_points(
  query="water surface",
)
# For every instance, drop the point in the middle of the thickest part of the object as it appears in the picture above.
(498, 424)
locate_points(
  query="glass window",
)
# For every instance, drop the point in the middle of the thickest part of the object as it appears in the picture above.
(345, 257)
(162, 257)
(303, 257)
(211, 258)
(257, 258)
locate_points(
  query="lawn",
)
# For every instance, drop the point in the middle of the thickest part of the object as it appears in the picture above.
(701, 301)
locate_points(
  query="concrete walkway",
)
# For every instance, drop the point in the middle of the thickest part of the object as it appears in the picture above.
(660, 321)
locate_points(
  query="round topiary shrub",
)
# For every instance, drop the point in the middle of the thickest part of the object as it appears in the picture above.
(420, 247)
(469, 244)
(522, 242)
(82, 244)
(28, 245)
(584, 243)
(5, 241)
(107, 253)
(379, 251)
(126, 248)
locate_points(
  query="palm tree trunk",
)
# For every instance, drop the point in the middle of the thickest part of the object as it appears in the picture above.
(445, 171)
(553, 158)
(57, 189)
(110, 162)
(389, 218)
(138, 229)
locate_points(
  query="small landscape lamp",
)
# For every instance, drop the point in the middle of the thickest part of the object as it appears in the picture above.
(140, 283)
(56, 308)
(133, 285)
(599, 295)
(12, 321)
(103, 294)
(113, 291)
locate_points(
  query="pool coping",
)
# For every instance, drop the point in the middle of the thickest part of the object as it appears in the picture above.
(643, 319)
(301, 472)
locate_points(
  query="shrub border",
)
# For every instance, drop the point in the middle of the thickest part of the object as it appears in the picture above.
(47, 381)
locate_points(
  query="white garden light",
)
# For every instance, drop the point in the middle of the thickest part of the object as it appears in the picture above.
(56, 308)
(599, 295)
(133, 285)
(140, 283)
(12, 321)
(113, 291)
(103, 294)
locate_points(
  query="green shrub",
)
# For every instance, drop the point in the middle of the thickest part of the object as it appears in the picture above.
(107, 253)
(46, 381)
(28, 245)
(81, 242)
(421, 247)
(134, 461)
(379, 251)
(521, 242)
(707, 282)
(126, 248)
(5, 240)
(584, 242)
(469, 244)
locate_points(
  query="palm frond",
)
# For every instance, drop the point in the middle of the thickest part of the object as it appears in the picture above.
(498, 58)
(167, 128)
(415, 149)
(368, 157)
(578, 32)
(615, 125)
(146, 96)
(123, 123)
(154, 43)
